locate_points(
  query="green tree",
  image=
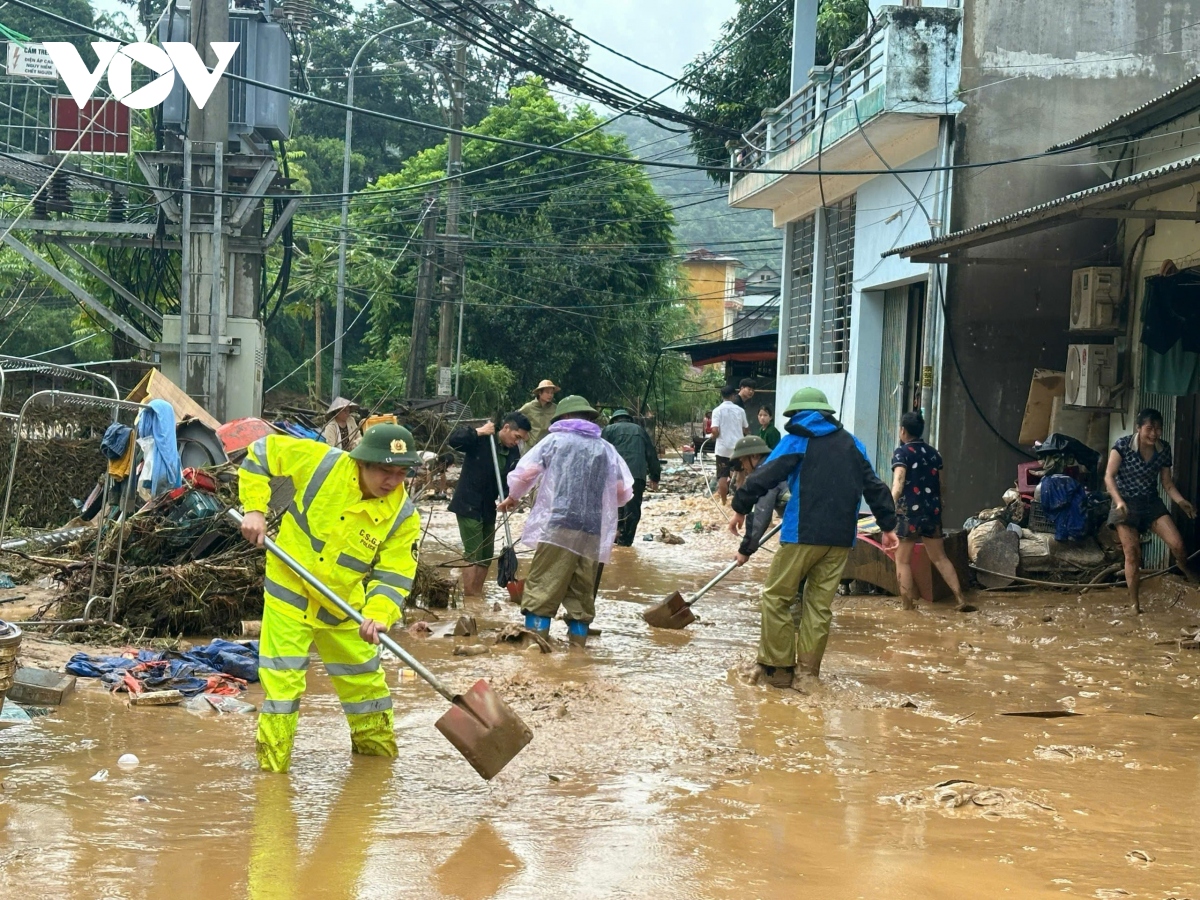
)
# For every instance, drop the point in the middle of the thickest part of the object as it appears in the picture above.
(402, 73)
(569, 271)
(756, 73)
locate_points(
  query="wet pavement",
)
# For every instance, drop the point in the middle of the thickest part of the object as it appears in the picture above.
(655, 772)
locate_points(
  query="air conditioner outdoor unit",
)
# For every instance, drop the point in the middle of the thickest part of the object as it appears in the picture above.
(1095, 297)
(1091, 375)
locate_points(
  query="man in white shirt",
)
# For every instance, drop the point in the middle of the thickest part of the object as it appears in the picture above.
(729, 425)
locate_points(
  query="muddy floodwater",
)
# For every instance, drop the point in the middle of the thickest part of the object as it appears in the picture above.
(655, 772)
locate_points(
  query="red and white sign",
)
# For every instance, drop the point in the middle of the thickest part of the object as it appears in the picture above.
(101, 126)
(32, 61)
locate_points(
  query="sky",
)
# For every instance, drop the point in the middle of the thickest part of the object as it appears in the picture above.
(666, 34)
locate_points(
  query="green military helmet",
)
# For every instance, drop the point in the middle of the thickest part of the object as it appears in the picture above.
(750, 445)
(387, 445)
(620, 414)
(574, 404)
(808, 398)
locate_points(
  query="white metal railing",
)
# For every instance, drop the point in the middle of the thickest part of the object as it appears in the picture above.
(854, 73)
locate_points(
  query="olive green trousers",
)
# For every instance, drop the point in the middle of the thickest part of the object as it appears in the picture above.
(820, 568)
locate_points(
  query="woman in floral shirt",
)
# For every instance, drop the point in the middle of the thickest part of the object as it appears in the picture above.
(917, 490)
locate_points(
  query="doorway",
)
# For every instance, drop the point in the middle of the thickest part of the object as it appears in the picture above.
(899, 365)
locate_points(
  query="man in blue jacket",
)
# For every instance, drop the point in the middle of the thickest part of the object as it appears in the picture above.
(829, 473)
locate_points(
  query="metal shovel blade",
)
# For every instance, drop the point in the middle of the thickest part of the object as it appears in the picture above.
(484, 729)
(674, 612)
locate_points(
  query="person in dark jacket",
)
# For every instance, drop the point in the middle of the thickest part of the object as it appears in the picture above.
(828, 473)
(747, 456)
(637, 448)
(475, 497)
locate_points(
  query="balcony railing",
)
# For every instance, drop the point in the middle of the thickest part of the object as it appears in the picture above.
(859, 72)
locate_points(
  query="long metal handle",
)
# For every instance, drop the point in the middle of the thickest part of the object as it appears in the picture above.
(729, 568)
(404, 656)
(499, 484)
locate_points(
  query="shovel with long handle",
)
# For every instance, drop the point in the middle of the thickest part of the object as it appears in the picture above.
(675, 612)
(506, 568)
(479, 724)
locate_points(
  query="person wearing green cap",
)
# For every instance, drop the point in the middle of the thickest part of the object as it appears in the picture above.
(637, 448)
(748, 455)
(829, 473)
(581, 482)
(352, 525)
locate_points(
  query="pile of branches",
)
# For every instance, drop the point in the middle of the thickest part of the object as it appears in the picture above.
(59, 461)
(194, 578)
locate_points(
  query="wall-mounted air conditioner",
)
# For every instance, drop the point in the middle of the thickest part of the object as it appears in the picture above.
(1091, 375)
(1095, 298)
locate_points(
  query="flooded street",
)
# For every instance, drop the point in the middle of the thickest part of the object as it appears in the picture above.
(656, 772)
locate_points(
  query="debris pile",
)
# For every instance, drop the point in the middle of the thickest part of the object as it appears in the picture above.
(58, 462)
(1050, 526)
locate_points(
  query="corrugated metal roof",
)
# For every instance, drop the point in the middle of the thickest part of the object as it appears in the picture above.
(1127, 118)
(1063, 206)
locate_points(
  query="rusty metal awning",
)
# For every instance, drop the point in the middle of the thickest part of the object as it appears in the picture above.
(758, 348)
(1105, 201)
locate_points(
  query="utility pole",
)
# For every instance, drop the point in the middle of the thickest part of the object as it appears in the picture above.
(452, 279)
(418, 350)
(208, 130)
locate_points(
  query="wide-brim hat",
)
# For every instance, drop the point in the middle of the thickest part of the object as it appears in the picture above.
(339, 404)
(808, 398)
(574, 405)
(620, 414)
(750, 445)
(546, 383)
(387, 445)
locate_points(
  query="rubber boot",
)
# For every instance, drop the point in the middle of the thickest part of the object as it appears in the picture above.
(538, 624)
(577, 632)
(809, 663)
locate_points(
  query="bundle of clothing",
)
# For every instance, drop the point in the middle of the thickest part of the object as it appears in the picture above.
(223, 667)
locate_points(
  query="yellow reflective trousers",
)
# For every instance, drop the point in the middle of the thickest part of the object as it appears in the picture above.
(354, 667)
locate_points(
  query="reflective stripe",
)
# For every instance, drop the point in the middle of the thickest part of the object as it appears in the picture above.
(338, 669)
(394, 579)
(301, 519)
(401, 517)
(280, 707)
(287, 595)
(283, 663)
(367, 706)
(324, 467)
(324, 615)
(350, 562)
(259, 449)
(249, 465)
(381, 590)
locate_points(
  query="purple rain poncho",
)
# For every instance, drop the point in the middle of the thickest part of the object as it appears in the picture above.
(583, 482)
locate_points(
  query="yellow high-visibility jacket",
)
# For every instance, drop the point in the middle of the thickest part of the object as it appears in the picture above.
(364, 550)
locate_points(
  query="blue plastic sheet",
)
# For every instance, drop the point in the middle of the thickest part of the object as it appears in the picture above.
(187, 673)
(1063, 499)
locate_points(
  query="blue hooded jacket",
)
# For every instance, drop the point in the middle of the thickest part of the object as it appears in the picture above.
(829, 474)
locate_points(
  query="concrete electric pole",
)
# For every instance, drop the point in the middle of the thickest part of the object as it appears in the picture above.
(452, 278)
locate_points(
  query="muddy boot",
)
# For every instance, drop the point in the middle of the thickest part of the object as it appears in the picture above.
(805, 683)
(577, 632)
(539, 625)
(775, 676)
(809, 664)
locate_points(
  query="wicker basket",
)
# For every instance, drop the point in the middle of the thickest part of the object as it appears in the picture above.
(10, 645)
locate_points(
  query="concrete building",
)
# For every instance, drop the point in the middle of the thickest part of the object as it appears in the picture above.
(959, 338)
(712, 280)
(1151, 156)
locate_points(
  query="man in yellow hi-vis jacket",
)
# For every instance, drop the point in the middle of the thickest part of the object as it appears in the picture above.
(352, 525)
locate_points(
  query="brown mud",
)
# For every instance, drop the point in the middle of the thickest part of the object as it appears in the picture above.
(655, 770)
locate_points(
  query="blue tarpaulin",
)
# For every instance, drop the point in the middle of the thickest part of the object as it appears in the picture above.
(1062, 499)
(189, 673)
